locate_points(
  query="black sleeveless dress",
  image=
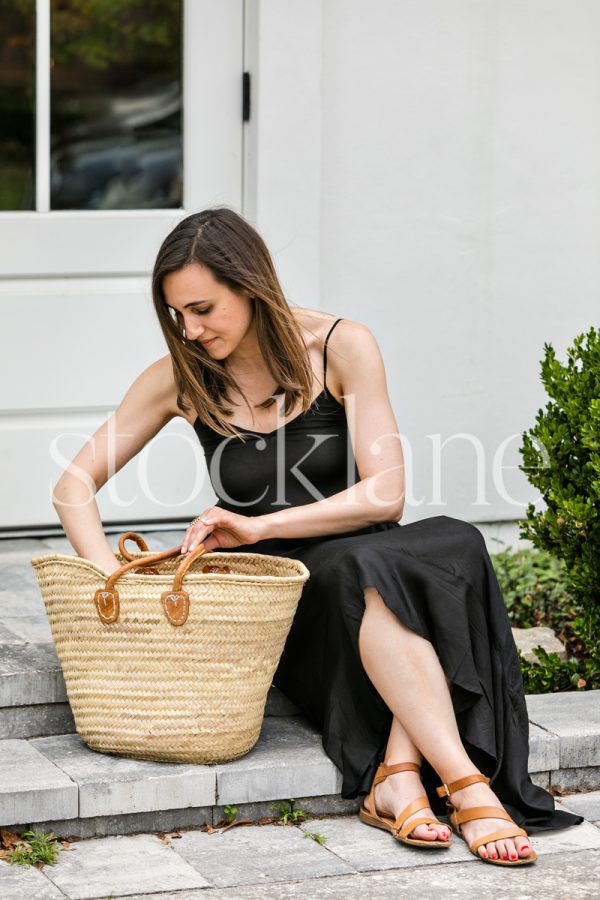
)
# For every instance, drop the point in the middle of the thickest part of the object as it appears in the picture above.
(435, 575)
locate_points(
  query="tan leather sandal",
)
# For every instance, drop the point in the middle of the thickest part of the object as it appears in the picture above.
(459, 817)
(397, 827)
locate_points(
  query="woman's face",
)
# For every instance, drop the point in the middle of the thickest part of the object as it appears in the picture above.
(217, 317)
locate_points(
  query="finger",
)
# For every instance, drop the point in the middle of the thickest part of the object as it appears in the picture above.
(191, 530)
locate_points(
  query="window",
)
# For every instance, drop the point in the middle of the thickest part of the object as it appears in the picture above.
(93, 100)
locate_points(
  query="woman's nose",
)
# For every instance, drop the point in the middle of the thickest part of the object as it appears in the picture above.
(194, 330)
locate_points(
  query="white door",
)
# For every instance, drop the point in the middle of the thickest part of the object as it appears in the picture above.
(121, 119)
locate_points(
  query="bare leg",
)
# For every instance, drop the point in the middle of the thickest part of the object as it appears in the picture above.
(401, 788)
(406, 672)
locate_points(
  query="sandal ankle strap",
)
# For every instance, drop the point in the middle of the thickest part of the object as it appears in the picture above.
(446, 789)
(383, 771)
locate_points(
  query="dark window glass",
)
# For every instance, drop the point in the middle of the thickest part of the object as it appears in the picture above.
(116, 104)
(17, 97)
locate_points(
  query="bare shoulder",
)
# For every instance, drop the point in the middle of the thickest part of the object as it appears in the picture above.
(349, 342)
(317, 324)
(159, 386)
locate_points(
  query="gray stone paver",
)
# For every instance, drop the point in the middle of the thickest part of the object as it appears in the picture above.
(29, 631)
(25, 603)
(367, 849)
(287, 761)
(30, 675)
(575, 718)
(26, 883)
(254, 854)
(560, 877)
(17, 577)
(585, 804)
(35, 721)
(32, 787)
(247, 856)
(110, 784)
(544, 750)
(121, 865)
(586, 778)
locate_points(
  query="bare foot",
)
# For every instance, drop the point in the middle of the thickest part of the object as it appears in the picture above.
(480, 794)
(396, 792)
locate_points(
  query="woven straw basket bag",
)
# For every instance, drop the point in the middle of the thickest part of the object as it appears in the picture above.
(170, 658)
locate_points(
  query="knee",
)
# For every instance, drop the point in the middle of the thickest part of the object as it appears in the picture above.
(469, 536)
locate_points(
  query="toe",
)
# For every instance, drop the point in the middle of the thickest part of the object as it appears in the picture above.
(523, 846)
(424, 833)
(502, 850)
(492, 850)
(511, 849)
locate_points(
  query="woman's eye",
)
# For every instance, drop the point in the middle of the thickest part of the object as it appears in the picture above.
(202, 312)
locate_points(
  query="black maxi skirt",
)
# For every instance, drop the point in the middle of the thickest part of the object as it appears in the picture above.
(437, 577)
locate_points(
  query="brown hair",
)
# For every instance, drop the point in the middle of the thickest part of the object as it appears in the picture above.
(236, 256)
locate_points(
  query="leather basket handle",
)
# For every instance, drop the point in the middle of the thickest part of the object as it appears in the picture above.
(131, 536)
(176, 603)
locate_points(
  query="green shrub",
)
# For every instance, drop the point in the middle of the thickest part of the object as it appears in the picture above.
(561, 458)
(534, 587)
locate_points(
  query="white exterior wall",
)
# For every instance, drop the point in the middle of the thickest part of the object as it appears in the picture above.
(427, 167)
(459, 211)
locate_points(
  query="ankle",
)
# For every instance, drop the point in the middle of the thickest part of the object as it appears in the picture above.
(453, 775)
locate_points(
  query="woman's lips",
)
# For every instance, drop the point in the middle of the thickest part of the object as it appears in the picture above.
(206, 343)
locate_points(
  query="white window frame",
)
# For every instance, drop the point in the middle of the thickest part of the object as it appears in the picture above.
(124, 242)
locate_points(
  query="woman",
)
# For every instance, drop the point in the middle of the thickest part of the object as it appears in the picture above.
(401, 648)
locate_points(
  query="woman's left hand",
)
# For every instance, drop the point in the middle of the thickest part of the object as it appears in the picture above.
(218, 527)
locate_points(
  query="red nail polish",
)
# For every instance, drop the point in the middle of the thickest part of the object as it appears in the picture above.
(513, 857)
(525, 847)
(504, 856)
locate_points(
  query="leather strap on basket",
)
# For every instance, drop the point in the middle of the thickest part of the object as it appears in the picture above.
(107, 599)
(132, 536)
(176, 602)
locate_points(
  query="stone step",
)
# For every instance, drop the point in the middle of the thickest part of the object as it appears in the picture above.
(51, 780)
(58, 783)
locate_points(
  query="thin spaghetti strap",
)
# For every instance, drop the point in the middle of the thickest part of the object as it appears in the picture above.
(325, 354)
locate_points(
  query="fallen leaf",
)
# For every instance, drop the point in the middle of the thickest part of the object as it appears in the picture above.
(66, 846)
(235, 824)
(73, 837)
(9, 839)
(175, 834)
(266, 820)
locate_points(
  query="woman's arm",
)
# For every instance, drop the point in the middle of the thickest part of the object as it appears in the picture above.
(146, 408)
(355, 359)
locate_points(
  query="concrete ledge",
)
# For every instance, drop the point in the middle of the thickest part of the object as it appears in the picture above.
(30, 674)
(112, 785)
(36, 721)
(544, 749)
(574, 717)
(190, 817)
(32, 787)
(287, 761)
